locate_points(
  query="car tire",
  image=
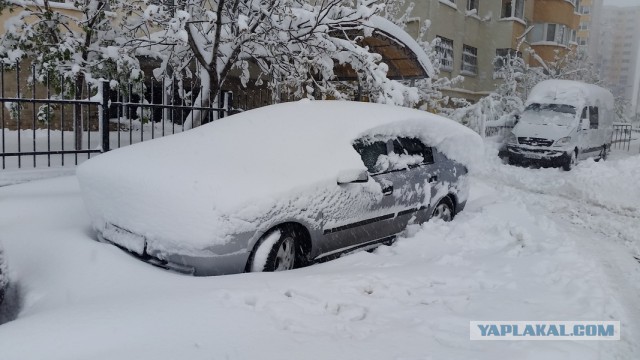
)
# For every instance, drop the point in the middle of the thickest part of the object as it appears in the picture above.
(443, 210)
(571, 162)
(277, 250)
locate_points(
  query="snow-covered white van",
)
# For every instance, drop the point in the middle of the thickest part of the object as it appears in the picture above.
(564, 121)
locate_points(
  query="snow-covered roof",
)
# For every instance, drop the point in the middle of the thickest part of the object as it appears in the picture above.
(570, 92)
(405, 58)
(394, 32)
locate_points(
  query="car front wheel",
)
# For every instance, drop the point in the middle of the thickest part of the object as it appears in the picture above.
(444, 210)
(276, 251)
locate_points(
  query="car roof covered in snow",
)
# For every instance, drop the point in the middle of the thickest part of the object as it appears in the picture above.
(569, 92)
(281, 147)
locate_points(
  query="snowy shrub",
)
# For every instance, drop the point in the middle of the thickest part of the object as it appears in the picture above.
(14, 109)
(46, 113)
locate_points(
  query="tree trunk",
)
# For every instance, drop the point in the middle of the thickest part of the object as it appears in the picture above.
(204, 100)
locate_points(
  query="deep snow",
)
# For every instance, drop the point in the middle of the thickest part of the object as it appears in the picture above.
(532, 244)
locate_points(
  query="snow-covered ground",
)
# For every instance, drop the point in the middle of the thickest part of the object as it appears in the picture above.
(532, 244)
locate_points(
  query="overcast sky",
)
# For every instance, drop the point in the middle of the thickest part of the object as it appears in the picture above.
(622, 2)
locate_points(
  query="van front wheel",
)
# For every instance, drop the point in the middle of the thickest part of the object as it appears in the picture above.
(605, 152)
(571, 162)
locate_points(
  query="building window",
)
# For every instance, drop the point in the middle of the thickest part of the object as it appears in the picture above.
(444, 49)
(584, 26)
(585, 10)
(557, 33)
(472, 5)
(513, 9)
(469, 60)
(551, 32)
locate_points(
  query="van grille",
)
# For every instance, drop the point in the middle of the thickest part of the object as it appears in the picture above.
(534, 141)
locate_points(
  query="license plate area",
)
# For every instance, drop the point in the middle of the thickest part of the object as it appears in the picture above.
(533, 156)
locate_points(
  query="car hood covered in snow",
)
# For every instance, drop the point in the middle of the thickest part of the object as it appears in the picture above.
(200, 187)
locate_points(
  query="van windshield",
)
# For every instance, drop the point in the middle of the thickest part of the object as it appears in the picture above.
(549, 114)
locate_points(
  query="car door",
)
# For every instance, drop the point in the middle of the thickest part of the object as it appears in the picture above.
(584, 132)
(360, 204)
(402, 168)
(414, 180)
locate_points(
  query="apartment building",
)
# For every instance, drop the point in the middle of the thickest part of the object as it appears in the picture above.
(473, 32)
(555, 26)
(618, 50)
(587, 37)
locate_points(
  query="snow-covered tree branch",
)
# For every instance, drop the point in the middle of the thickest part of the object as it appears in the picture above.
(292, 43)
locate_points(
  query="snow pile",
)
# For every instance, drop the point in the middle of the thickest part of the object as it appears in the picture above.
(199, 187)
(397, 162)
(607, 184)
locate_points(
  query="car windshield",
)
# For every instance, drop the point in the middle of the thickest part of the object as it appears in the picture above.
(549, 114)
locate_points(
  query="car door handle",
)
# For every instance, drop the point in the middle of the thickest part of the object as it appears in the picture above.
(433, 178)
(387, 190)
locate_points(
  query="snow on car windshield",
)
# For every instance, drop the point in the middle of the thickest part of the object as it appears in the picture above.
(545, 114)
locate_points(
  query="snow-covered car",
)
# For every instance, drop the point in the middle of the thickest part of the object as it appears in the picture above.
(279, 187)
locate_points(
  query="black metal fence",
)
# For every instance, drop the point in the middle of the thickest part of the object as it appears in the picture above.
(51, 122)
(621, 136)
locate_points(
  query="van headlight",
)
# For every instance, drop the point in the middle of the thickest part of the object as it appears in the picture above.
(563, 141)
(512, 139)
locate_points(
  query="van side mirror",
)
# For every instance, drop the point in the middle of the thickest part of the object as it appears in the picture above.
(353, 176)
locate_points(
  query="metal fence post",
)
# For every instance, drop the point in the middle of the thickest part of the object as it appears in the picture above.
(104, 112)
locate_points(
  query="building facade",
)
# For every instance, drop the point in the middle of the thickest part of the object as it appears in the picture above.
(554, 33)
(473, 33)
(588, 30)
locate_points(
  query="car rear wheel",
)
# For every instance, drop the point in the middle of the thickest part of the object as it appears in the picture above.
(276, 251)
(444, 210)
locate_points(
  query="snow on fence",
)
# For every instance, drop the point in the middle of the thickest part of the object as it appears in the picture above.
(44, 124)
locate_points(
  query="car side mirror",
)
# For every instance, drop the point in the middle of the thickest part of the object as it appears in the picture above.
(516, 119)
(353, 176)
